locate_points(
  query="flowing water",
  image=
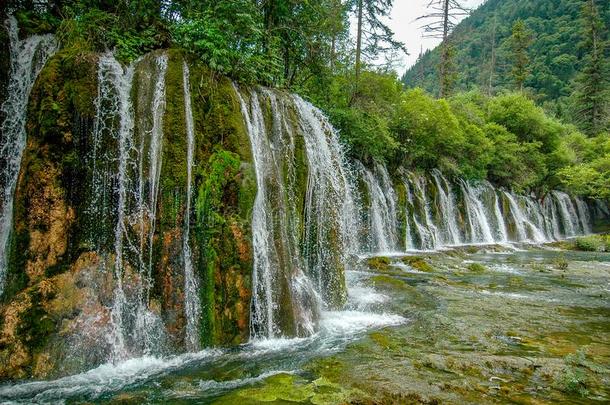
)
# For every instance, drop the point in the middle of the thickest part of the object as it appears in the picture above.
(192, 304)
(515, 330)
(28, 56)
(128, 173)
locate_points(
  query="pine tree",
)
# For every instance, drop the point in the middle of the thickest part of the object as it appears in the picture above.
(592, 81)
(444, 17)
(520, 41)
(373, 36)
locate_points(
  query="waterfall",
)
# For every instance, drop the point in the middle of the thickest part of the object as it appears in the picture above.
(428, 232)
(583, 215)
(278, 273)
(568, 213)
(28, 56)
(192, 304)
(133, 166)
(480, 232)
(298, 266)
(451, 234)
(502, 233)
(114, 86)
(330, 206)
(409, 216)
(382, 209)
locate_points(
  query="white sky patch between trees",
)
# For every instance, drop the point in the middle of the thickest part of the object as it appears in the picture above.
(408, 31)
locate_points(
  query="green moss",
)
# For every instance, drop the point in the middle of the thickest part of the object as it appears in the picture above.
(388, 281)
(378, 263)
(287, 388)
(417, 263)
(477, 268)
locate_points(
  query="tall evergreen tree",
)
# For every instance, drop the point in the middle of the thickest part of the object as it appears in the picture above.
(443, 17)
(520, 42)
(373, 36)
(592, 81)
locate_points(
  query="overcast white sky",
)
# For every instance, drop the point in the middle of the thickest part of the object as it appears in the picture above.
(407, 30)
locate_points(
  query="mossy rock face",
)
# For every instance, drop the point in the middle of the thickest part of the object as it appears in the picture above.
(51, 186)
(224, 191)
(42, 296)
(55, 326)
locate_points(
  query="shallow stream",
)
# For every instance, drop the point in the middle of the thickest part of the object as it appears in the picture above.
(469, 325)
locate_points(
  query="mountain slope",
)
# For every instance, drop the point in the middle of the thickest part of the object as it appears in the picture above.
(554, 53)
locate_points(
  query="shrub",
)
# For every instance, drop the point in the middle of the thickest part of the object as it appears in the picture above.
(593, 243)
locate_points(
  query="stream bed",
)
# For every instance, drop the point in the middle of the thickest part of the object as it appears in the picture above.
(486, 324)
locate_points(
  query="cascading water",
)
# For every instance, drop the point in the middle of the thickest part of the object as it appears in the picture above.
(583, 215)
(382, 209)
(428, 232)
(550, 217)
(296, 274)
(129, 173)
(480, 232)
(569, 216)
(501, 231)
(28, 56)
(272, 249)
(451, 234)
(192, 304)
(436, 217)
(329, 205)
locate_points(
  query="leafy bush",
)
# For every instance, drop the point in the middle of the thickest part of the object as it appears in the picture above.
(593, 243)
(227, 36)
(561, 263)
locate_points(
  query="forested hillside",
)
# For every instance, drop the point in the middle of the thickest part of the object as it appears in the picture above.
(555, 55)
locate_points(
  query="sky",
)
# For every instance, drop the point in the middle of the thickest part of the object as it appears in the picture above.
(409, 32)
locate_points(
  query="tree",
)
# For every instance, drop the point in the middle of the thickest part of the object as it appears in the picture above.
(492, 59)
(520, 42)
(444, 16)
(591, 93)
(373, 36)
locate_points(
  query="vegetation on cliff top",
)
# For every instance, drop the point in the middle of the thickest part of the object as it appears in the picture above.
(306, 47)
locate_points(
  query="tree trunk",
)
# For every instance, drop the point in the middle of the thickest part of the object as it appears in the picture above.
(444, 51)
(359, 40)
(492, 63)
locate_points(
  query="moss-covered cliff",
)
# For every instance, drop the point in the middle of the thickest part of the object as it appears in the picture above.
(55, 314)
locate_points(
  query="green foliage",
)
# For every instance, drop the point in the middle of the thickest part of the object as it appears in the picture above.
(429, 134)
(593, 243)
(97, 30)
(555, 58)
(589, 171)
(560, 262)
(592, 82)
(227, 36)
(520, 41)
(573, 379)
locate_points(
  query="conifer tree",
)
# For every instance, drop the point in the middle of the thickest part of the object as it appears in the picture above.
(373, 36)
(592, 81)
(443, 17)
(520, 41)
